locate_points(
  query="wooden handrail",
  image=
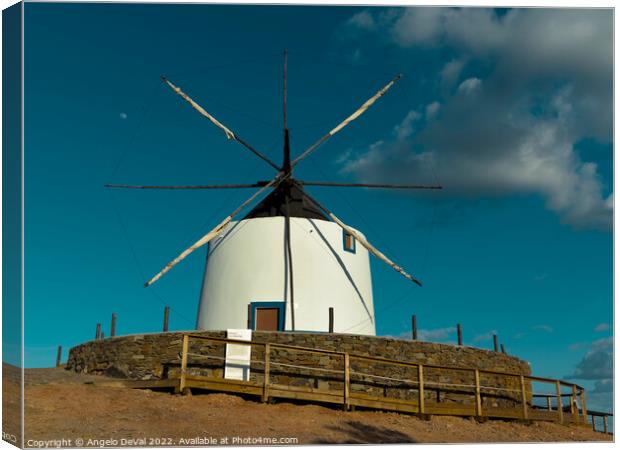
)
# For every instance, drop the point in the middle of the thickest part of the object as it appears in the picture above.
(348, 356)
(273, 344)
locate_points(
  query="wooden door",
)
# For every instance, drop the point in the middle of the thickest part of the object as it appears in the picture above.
(267, 319)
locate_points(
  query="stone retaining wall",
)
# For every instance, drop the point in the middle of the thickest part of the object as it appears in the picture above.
(155, 356)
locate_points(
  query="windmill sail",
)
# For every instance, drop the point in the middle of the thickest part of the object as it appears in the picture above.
(214, 232)
(361, 110)
(229, 133)
(364, 242)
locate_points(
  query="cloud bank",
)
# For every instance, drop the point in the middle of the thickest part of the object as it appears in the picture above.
(597, 365)
(513, 128)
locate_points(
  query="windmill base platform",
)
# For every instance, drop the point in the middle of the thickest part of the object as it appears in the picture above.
(312, 362)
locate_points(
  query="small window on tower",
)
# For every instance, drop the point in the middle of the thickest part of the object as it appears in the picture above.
(348, 242)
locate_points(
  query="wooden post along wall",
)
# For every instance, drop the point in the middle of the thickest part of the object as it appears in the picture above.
(113, 326)
(58, 356)
(495, 346)
(459, 334)
(331, 319)
(98, 331)
(166, 317)
(414, 327)
(558, 393)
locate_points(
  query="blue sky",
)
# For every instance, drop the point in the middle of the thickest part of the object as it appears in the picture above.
(509, 110)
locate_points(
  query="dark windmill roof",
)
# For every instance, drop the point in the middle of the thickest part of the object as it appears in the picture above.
(274, 204)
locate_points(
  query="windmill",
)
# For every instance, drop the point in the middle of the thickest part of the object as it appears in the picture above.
(242, 287)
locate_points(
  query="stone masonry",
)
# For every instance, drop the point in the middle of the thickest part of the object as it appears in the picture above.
(156, 356)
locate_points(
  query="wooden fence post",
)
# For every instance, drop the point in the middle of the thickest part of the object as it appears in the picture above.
(347, 377)
(266, 376)
(414, 327)
(58, 356)
(478, 398)
(166, 317)
(459, 334)
(573, 405)
(331, 319)
(593, 423)
(503, 349)
(495, 346)
(98, 332)
(584, 408)
(113, 326)
(558, 391)
(548, 403)
(523, 397)
(420, 389)
(605, 424)
(184, 350)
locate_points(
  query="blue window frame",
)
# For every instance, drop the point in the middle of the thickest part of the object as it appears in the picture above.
(267, 305)
(348, 242)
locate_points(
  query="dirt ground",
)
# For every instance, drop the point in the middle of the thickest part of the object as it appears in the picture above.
(64, 405)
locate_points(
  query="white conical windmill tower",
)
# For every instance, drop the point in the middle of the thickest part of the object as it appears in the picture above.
(290, 259)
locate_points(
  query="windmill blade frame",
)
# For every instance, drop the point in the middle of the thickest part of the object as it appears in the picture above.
(369, 185)
(363, 241)
(358, 112)
(195, 186)
(229, 133)
(215, 231)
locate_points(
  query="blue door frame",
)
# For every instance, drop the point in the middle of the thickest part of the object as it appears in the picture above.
(257, 305)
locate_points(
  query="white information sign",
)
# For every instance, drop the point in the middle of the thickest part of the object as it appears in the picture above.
(238, 356)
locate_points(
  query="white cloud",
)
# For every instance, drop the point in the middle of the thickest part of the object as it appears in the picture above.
(547, 85)
(577, 346)
(470, 85)
(356, 57)
(436, 334)
(485, 336)
(431, 110)
(601, 327)
(419, 26)
(597, 363)
(451, 71)
(363, 20)
(405, 128)
(545, 328)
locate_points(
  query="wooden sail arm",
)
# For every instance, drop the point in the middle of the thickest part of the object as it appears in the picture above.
(279, 178)
(229, 133)
(369, 185)
(361, 110)
(194, 186)
(363, 241)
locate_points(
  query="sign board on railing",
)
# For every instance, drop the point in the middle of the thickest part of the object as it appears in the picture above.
(237, 365)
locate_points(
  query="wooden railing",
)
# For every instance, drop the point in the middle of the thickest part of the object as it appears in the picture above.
(591, 413)
(510, 388)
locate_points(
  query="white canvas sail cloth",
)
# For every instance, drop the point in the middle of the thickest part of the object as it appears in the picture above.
(237, 365)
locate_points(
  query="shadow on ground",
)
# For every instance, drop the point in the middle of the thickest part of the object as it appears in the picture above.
(360, 433)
